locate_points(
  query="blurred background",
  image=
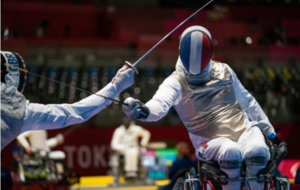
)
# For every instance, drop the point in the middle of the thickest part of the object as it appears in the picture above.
(85, 42)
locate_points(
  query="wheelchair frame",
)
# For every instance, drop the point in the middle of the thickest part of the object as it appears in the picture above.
(203, 181)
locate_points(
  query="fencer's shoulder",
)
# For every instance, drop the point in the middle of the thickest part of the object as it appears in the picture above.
(172, 81)
(174, 78)
(221, 68)
(220, 64)
(120, 128)
(222, 71)
(174, 75)
(9, 89)
(136, 127)
(228, 68)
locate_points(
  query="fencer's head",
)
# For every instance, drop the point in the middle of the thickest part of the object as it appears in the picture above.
(126, 122)
(13, 76)
(183, 149)
(195, 51)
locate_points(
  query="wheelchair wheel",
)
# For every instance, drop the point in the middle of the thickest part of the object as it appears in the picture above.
(279, 185)
(189, 185)
(196, 185)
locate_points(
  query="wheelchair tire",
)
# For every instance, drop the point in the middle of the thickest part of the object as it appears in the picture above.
(189, 185)
(196, 185)
(281, 185)
(179, 184)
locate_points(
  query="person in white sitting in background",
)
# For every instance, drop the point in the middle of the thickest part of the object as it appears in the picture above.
(38, 141)
(125, 141)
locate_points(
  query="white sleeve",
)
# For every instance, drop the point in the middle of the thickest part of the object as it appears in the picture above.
(54, 116)
(52, 142)
(145, 134)
(22, 139)
(168, 94)
(250, 106)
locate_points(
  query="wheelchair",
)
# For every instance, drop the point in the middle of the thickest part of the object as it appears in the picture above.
(39, 167)
(117, 164)
(202, 181)
(210, 177)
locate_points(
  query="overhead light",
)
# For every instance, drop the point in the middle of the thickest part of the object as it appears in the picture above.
(248, 40)
(6, 32)
(215, 42)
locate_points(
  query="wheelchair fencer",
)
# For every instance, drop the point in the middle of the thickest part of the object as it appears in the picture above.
(39, 166)
(117, 167)
(211, 177)
(127, 142)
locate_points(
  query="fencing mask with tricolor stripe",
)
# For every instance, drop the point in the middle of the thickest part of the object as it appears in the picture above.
(10, 75)
(195, 53)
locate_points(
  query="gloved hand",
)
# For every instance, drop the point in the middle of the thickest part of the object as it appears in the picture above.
(281, 147)
(268, 172)
(124, 78)
(281, 150)
(135, 109)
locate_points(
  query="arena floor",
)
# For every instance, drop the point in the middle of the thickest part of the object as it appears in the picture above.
(107, 182)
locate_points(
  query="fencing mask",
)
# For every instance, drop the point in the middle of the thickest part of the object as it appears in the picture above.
(12, 76)
(195, 53)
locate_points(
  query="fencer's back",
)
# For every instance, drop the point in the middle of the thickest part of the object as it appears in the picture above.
(38, 140)
(13, 105)
(129, 136)
(211, 110)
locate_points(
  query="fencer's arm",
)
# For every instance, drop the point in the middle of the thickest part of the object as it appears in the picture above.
(250, 106)
(115, 142)
(145, 134)
(52, 142)
(168, 94)
(55, 141)
(22, 139)
(54, 116)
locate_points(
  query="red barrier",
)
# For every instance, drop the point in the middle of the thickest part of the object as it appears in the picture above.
(64, 20)
(88, 149)
(289, 168)
(292, 27)
(284, 53)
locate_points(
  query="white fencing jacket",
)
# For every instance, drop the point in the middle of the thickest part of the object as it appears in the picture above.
(127, 138)
(44, 117)
(170, 94)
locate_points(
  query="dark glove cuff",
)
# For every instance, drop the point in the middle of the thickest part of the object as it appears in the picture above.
(268, 172)
(280, 153)
(276, 140)
(144, 111)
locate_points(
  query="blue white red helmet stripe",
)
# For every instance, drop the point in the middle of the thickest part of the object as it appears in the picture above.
(195, 49)
(185, 50)
(206, 52)
(196, 53)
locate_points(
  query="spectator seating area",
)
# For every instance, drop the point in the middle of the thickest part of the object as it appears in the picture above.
(275, 88)
(229, 25)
